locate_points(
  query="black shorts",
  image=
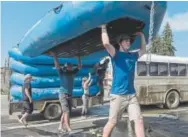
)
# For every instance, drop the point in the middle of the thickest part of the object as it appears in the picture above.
(27, 107)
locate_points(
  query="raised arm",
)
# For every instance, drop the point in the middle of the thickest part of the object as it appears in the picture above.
(106, 42)
(55, 60)
(89, 79)
(90, 82)
(79, 63)
(143, 44)
(75, 70)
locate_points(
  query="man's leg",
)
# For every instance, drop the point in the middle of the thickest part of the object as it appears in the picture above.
(108, 129)
(69, 99)
(86, 107)
(115, 107)
(23, 119)
(65, 108)
(101, 88)
(28, 109)
(67, 121)
(61, 122)
(139, 128)
(102, 93)
(23, 113)
(135, 115)
(70, 109)
(24, 116)
(83, 105)
(83, 110)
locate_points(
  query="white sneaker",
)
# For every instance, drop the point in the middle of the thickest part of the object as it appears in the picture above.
(84, 116)
(23, 122)
(61, 130)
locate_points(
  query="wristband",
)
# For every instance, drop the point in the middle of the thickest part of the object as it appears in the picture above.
(103, 27)
(104, 30)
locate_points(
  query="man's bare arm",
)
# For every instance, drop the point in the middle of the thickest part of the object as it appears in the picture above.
(89, 79)
(55, 60)
(28, 95)
(79, 63)
(90, 82)
(143, 44)
(106, 42)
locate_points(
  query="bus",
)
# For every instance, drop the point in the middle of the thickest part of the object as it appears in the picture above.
(159, 80)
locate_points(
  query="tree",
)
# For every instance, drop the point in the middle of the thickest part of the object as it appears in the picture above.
(156, 45)
(167, 38)
(163, 45)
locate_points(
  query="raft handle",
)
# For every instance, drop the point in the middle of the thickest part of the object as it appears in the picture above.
(57, 10)
(147, 7)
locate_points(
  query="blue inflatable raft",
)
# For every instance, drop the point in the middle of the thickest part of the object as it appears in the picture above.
(72, 28)
(47, 81)
(41, 70)
(47, 60)
(47, 93)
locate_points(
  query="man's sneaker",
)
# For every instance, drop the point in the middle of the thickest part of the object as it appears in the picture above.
(23, 122)
(70, 131)
(61, 130)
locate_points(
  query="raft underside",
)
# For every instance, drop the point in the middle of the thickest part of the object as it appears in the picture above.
(91, 41)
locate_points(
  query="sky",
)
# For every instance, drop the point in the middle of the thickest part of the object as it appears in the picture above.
(18, 17)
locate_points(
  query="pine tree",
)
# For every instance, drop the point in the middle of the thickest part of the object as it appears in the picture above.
(163, 45)
(167, 42)
(156, 45)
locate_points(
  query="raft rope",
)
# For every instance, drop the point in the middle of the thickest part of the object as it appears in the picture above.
(151, 28)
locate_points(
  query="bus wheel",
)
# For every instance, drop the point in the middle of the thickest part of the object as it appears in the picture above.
(172, 99)
(52, 111)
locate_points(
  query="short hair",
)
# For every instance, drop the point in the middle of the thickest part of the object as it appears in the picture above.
(84, 78)
(27, 76)
(122, 37)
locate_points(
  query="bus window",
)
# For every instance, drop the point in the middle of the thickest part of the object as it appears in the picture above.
(141, 69)
(173, 69)
(153, 69)
(163, 69)
(182, 70)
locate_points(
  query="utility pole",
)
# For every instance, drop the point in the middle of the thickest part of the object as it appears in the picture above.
(4, 74)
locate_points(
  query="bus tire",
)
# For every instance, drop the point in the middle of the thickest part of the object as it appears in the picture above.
(52, 111)
(172, 99)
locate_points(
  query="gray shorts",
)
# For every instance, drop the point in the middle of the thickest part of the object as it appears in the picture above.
(119, 103)
(65, 101)
(85, 100)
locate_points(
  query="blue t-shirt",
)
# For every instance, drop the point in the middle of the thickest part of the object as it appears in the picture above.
(67, 79)
(123, 64)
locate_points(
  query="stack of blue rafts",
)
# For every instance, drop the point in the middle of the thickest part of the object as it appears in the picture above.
(45, 81)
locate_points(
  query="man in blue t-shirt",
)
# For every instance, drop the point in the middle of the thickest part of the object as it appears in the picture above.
(66, 75)
(123, 93)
